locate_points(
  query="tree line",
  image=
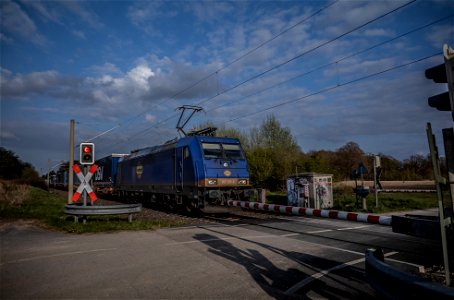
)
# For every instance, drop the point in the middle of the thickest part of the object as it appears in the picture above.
(273, 154)
(11, 167)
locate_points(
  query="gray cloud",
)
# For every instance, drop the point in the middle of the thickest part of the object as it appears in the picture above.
(16, 22)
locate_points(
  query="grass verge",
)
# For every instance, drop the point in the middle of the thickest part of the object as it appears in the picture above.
(345, 200)
(31, 203)
(387, 202)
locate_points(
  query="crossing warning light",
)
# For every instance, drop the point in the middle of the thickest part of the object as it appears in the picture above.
(443, 73)
(87, 153)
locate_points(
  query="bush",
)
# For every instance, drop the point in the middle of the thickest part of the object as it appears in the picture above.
(13, 194)
(36, 182)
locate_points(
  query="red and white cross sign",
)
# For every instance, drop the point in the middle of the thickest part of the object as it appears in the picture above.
(84, 183)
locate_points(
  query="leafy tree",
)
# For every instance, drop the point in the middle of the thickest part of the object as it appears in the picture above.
(273, 154)
(347, 159)
(320, 162)
(11, 167)
(278, 146)
(234, 133)
(260, 166)
(416, 167)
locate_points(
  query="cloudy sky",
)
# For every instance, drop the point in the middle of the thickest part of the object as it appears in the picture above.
(331, 71)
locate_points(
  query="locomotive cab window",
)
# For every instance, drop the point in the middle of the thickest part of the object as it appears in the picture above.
(212, 150)
(231, 151)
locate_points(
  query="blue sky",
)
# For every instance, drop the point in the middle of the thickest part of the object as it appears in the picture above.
(331, 71)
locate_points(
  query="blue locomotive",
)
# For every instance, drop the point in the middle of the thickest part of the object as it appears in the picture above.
(194, 172)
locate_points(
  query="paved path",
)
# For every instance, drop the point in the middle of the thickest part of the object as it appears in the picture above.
(287, 257)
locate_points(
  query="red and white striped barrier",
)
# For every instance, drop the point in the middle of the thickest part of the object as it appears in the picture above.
(332, 214)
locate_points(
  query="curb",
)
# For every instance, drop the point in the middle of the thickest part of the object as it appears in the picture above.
(332, 214)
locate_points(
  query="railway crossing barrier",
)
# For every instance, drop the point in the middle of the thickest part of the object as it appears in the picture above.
(332, 214)
(395, 284)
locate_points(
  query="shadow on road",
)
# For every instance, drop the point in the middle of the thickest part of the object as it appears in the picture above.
(276, 281)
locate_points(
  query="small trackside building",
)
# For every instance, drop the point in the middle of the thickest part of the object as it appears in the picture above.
(313, 190)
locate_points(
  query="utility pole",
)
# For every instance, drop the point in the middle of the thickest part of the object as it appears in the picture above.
(71, 161)
(48, 171)
(448, 139)
(377, 164)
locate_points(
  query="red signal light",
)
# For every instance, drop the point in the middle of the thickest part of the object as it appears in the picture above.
(87, 153)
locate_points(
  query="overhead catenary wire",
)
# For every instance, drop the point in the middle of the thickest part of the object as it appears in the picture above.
(306, 52)
(287, 61)
(216, 72)
(336, 61)
(339, 85)
(317, 12)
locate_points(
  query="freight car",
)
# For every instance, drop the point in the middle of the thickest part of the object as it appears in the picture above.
(194, 172)
(106, 173)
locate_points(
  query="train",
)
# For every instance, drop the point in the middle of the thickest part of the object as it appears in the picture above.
(193, 173)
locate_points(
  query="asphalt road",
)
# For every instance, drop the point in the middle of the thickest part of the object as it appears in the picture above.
(285, 257)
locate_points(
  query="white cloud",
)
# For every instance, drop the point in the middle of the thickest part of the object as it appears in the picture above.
(150, 118)
(8, 135)
(80, 34)
(212, 11)
(80, 10)
(17, 22)
(48, 13)
(378, 32)
(140, 76)
(22, 86)
(105, 69)
(146, 15)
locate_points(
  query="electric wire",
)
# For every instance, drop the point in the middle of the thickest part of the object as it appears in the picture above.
(334, 87)
(290, 60)
(335, 61)
(307, 52)
(228, 64)
(212, 74)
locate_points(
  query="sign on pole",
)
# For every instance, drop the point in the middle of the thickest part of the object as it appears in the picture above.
(84, 183)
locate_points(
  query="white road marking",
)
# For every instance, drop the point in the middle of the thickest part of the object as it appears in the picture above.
(322, 273)
(55, 255)
(319, 231)
(336, 229)
(319, 274)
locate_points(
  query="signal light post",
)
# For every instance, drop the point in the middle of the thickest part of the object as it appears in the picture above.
(443, 73)
(87, 158)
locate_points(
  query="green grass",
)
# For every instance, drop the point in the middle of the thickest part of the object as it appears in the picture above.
(48, 209)
(31, 203)
(345, 200)
(387, 202)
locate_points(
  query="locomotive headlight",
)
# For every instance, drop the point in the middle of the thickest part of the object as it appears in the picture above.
(212, 182)
(242, 181)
